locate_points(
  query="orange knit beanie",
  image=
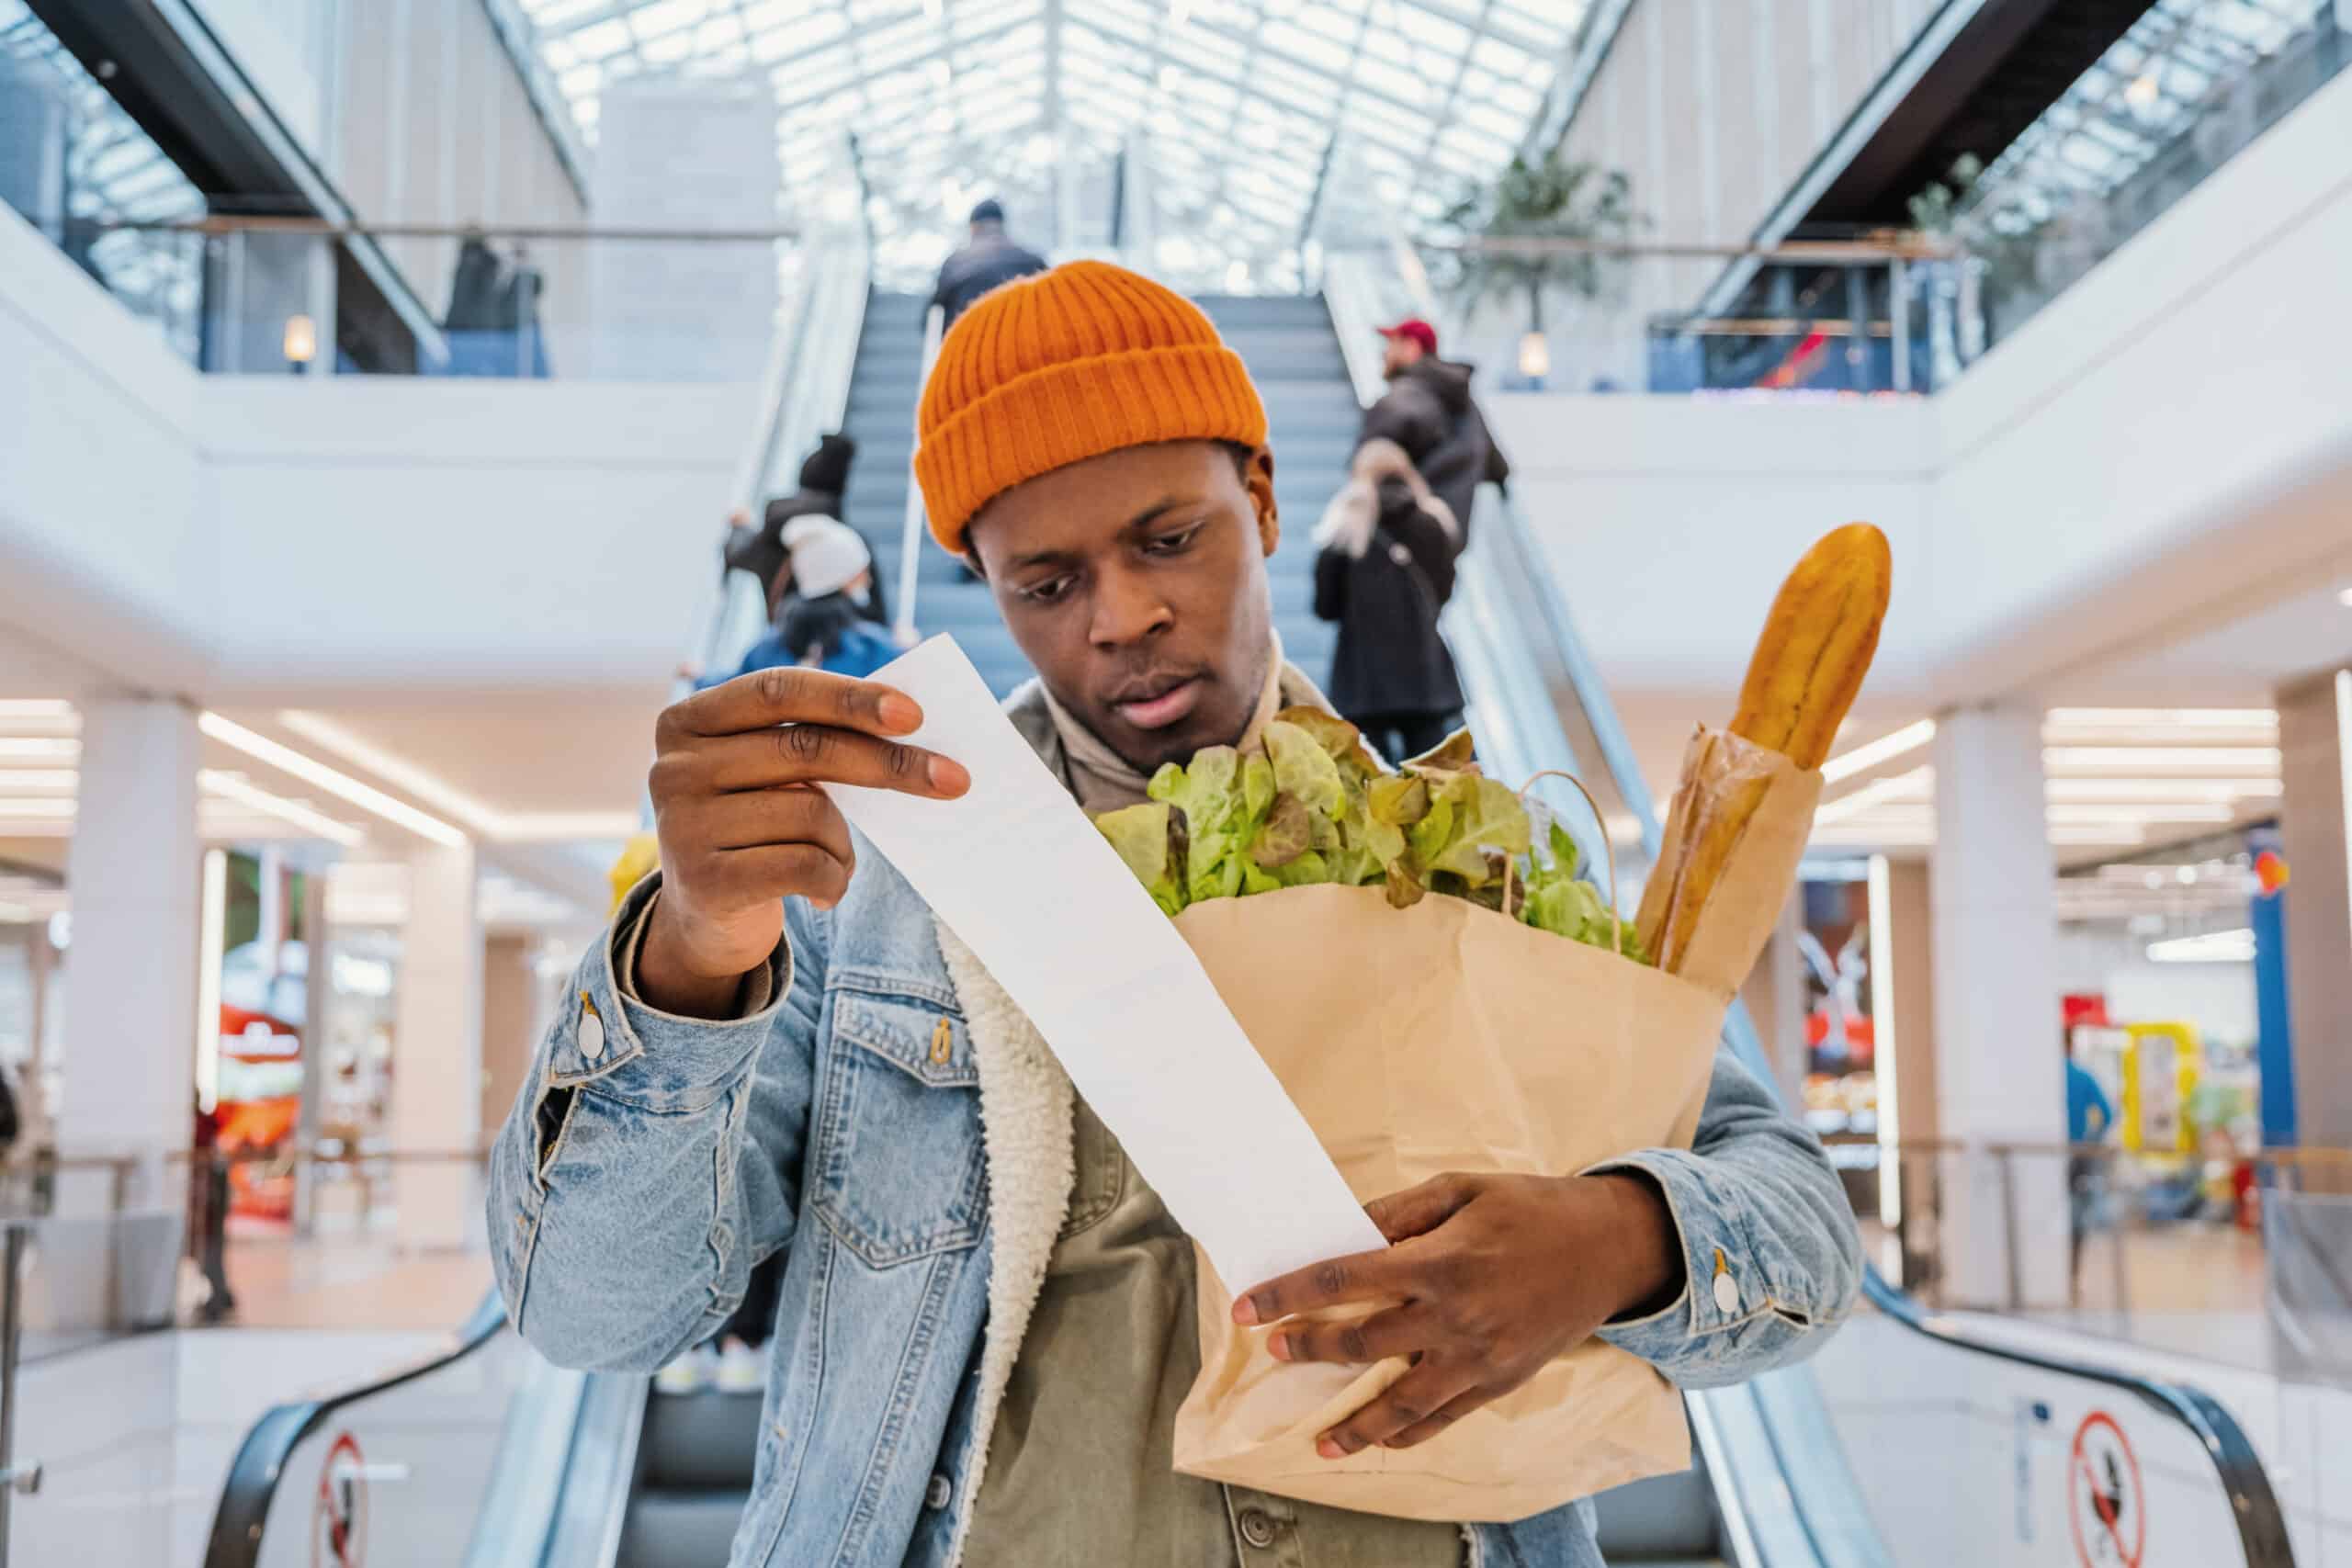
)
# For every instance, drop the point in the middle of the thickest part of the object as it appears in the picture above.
(1066, 365)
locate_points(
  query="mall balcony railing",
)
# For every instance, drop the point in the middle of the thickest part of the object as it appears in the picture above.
(258, 294)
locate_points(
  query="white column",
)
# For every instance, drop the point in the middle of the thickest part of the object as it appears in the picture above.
(130, 1023)
(436, 1050)
(2000, 1072)
(2315, 835)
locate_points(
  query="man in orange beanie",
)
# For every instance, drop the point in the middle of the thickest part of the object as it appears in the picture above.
(986, 1320)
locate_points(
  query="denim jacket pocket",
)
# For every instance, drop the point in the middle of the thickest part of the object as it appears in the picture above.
(899, 1101)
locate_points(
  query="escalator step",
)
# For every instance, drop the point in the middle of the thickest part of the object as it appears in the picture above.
(698, 1442)
(675, 1529)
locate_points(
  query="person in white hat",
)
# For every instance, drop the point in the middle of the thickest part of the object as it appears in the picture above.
(823, 621)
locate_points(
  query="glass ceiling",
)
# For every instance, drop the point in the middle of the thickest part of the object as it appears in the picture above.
(2154, 84)
(1237, 111)
(109, 173)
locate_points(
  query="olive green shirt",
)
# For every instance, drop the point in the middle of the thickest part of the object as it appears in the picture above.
(1079, 1470)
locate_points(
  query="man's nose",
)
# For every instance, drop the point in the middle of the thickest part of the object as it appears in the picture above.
(1127, 609)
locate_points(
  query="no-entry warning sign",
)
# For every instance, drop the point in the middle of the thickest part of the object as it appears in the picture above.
(2106, 1506)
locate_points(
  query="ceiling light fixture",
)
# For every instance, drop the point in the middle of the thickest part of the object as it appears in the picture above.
(2263, 759)
(38, 780)
(518, 828)
(37, 748)
(236, 787)
(2162, 789)
(35, 707)
(340, 784)
(2234, 946)
(2344, 597)
(2076, 813)
(1876, 792)
(1887, 747)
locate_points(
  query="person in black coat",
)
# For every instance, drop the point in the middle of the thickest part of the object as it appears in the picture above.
(1428, 410)
(986, 260)
(1384, 569)
(761, 549)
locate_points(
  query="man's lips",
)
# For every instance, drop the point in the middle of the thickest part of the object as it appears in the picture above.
(1165, 705)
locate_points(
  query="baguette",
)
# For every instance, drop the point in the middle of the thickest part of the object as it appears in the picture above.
(1808, 667)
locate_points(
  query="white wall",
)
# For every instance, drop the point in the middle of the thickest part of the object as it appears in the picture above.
(1670, 522)
(284, 48)
(101, 552)
(395, 533)
(2218, 999)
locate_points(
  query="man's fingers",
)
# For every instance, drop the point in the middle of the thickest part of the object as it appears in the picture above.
(1422, 1207)
(1426, 1394)
(792, 695)
(1366, 1277)
(753, 818)
(818, 753)
(1399, 1331)
(1422, 1431)
(776, 871)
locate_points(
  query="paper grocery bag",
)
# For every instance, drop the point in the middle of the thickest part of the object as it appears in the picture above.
(1447, 1037)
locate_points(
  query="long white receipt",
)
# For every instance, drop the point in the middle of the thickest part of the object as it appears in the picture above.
(1016, 869)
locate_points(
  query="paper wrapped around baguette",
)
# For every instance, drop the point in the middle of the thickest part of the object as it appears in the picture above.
(1748, 810)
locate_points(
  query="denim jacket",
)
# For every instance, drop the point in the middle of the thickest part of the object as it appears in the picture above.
(888, 1119)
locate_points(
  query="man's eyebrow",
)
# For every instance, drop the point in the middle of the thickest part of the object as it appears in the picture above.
(1155, 511)
(1134, 525)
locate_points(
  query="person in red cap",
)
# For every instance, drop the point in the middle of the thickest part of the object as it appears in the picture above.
(1428, 411)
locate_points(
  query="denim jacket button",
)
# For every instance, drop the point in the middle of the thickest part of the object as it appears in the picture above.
(1257, 1527)
(936, 1494)
(1726, 1294)
(591, 1030)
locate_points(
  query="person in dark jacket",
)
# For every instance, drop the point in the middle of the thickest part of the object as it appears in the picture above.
(763, 552)
(824, 622)
(1384, 570)
(988, 259)
(1428, 410)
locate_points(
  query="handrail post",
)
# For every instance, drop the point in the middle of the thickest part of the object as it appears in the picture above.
(2117, 1261)
(934, 328)
(12, 1478)
(2015, 1265)
(1898, 310)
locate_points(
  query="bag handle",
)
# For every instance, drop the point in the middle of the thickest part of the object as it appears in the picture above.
(1608, 850)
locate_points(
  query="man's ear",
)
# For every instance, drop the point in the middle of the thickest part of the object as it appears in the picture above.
(1260, 480)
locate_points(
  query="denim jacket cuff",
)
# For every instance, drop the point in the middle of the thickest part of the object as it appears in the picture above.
(1715, 1295)
(634, 1051)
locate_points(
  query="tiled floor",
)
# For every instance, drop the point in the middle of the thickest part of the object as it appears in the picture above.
(346, 1283)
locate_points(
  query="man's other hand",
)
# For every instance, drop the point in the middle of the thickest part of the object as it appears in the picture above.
(1489, 1279)
(743, 825)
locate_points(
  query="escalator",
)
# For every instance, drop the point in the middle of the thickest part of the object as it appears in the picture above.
(1911, 1442)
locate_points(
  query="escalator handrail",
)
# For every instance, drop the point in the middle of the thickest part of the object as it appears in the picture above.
(270, 1441)
(934, 328)
(2262, 1524)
